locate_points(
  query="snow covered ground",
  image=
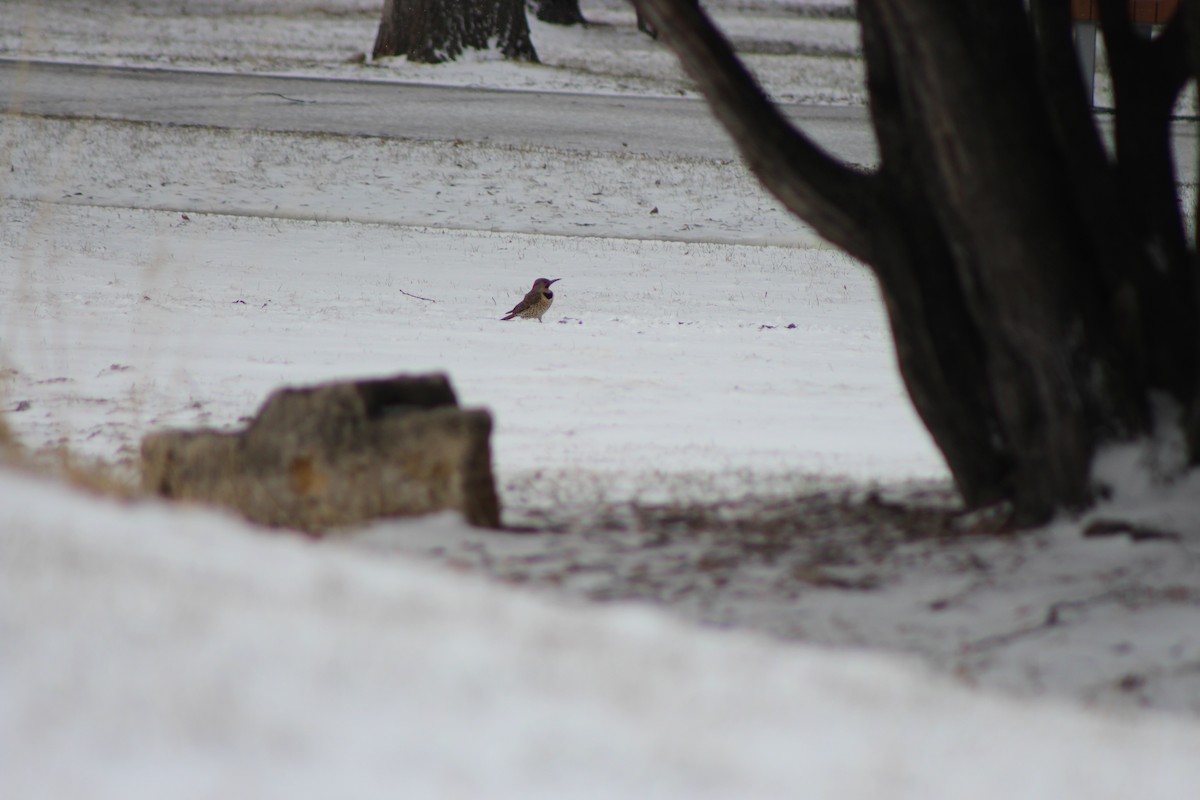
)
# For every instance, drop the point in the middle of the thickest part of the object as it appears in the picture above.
(708, 428)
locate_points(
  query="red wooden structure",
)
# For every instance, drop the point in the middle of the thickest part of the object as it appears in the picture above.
(1141, 12)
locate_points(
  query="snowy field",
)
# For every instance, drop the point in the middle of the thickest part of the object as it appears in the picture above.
(722, 597)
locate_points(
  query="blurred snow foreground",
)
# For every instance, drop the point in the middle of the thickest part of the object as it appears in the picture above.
(154, 651)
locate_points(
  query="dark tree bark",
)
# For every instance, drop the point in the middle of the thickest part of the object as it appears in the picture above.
(1190, 15)
(558, 12)
(1043, 296)
(433, 31)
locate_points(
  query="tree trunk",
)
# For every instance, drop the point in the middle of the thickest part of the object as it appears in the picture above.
(1190, 16)
(559, 12)
(1041, 299)
(433, 31)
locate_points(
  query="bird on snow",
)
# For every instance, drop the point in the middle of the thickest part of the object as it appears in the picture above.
(535, 303)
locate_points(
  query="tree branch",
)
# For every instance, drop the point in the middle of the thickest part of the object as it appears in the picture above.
(1139, 65)
(838, 201)
(1082, 149)
(416, 296)
(1168, 56)
(888, 114)
(1067, 104)
(1190, 15)
(1119, 36)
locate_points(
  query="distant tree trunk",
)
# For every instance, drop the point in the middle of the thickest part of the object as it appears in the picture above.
(1043, 296)
(433, 31)
(559, 12)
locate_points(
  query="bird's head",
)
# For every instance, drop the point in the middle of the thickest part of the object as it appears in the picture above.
(544, 283)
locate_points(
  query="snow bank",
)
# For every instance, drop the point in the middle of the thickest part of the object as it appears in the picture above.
(156, 651)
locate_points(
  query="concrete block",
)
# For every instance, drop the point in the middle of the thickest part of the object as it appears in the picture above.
(337, 454)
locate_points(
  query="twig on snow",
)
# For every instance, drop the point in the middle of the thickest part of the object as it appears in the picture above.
(295, 100)
(1053, 618)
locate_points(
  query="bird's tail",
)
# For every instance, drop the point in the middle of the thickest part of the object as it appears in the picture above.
(506, 319)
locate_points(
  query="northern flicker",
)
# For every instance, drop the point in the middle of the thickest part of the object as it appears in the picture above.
(536, 302)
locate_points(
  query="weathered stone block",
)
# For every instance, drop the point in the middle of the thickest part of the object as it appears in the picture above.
(337, 454)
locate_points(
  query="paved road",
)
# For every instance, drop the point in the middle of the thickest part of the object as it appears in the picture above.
(653, 126)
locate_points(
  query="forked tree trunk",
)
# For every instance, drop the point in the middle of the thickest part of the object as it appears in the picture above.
(433, 31)
(1041, 299)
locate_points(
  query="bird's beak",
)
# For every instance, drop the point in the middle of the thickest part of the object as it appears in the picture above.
(556, 280)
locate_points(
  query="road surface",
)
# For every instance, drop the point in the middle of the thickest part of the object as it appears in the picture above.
(599, 123)
(596, 123)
